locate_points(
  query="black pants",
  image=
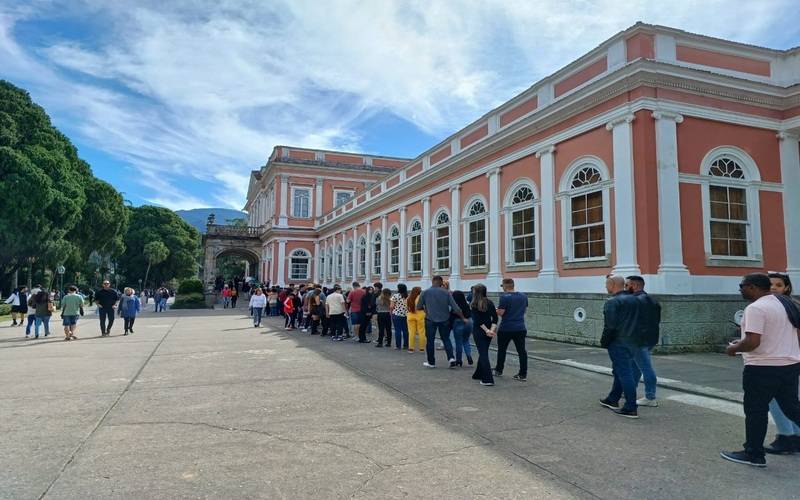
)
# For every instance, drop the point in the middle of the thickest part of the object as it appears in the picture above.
(366, 320)
(325, 325)
(503, 339)
(314, 325)
(761, 384)
(337, 324)
(129, 324)
(385, 328)
(106, 313)
(483, 370)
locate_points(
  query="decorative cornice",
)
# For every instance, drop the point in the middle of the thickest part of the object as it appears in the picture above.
(427, 200)
(784, 135)
(493, 172)
(547, 150)
(667, 115)
(619, 121)
(457, 187)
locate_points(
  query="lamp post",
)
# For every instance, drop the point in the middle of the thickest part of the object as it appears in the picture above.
(31, 261)
(60, 270)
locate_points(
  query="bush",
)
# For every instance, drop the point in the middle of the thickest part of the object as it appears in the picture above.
(190, 286)
(5, 309)
(190, 301)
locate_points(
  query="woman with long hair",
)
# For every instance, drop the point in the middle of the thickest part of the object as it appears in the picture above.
(484, 327)
(399, 310)
(787, 441)
(382, 308)
(416, 320)
(462, 329)
(44, 311)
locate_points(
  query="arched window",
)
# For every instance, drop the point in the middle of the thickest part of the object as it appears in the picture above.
(299, 265)
(376, 254)
(394, 250)
(348, 261)
(415, 246)
(584, 194)
(339, 266)
(731, 205)
(362, 256)
(521, 225)
(441, 233)
(475, 220)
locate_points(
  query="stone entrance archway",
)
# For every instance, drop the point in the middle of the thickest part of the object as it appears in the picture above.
(220, 241)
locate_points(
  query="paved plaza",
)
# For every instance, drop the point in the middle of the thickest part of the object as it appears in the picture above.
(199, 404)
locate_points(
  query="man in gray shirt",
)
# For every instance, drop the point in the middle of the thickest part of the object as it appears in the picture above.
(437, 303)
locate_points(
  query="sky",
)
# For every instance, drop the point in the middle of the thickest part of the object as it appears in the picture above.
(174, 102)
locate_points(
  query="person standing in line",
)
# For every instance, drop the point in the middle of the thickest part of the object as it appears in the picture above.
(106, 299)
(129, 307)
(787, 441)
(367, 312)
(316, 308)
(399, 310)
(511, 309)
(297, 304)
(44, 311)
(649, 321)
(416, 321)
(484, 326)
(354, 301)
(620, 337)
(462, 330)
(258, 301)
(771, 354)
(336, 307)
(382, 308)
(306, 308)
(71, 308)
(437, 303)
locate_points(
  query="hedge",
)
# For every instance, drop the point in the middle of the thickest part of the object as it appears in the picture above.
(190, 286)
(190, 301)
(5, 309)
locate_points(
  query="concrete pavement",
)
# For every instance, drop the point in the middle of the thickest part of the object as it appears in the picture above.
(199, 404)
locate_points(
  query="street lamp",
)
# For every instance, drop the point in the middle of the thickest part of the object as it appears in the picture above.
(31, 261)
(61, 270)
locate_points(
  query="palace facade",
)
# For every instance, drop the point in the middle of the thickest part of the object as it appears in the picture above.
(660, 152)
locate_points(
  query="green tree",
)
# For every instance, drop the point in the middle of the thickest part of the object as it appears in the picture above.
(155, 252)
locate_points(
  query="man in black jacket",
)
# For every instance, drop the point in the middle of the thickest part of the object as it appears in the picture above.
(621, 337)
(106, 299)
(649, 321)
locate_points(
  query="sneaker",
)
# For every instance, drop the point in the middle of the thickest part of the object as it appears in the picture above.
(452, 363)
(378, 345)
(647, 402)
(488, 384)
(469, 360)
(608, 404)
(520, 378)
(27, 335)
(742, 457)
(498, 373)
(783, 445)
(622, 412)
(428, 365)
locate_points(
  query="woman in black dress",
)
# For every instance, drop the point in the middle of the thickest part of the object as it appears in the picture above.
(484, 326)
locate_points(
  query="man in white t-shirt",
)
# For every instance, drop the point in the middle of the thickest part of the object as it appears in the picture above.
(336, 308)
(771, 354)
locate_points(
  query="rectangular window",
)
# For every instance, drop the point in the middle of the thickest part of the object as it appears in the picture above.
(477, 243)
(299, 268)
(416, 253)
(394, 256)
(341, 197)
(523, 240)
(362, 261)
(376, 258)
(301, 202)
(728, 221)
(443, 248)
(588, 228)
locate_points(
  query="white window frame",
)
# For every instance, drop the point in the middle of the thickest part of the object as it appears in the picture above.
(377, 241)
(348, 260)
(336, 192)
(339, 274)
(435, 239)
(394, 242)
(362, 264)
(508, 211)
(751, 186)
(294, 190)
(330, 271)
(465, 221)
(300, 253)
(565, 194)
(410, 235)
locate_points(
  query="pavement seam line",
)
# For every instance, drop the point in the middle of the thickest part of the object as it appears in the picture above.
(106, 413)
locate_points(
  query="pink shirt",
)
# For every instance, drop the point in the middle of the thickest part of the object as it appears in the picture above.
(779, 343)
(354, 298)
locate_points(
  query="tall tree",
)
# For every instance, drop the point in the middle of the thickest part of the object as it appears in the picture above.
(155, 252)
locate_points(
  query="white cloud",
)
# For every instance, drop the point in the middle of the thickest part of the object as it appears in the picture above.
(203, 90)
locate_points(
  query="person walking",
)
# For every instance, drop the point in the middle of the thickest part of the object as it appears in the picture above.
(106, 299)
(416, 321)
(399, 311)
(383, 310)
(649, 321)
(234, 297)
(71, 308)
(484, 326)
(620, 337)
(368, 304)
(27, 311)
(258, 301)
(43, 308)
(462, 330)
(288, 311)
(771, 354)
(437, 303)
(787, 441)
(511, 309)
(336, 307)
(226, 298)
(129, 307)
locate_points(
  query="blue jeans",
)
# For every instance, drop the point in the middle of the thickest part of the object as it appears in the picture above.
(31, 320)
(43, 320)
(461, 333)
(643, 365)
(431, 327)
(273, 309)
(785, 426)
(400, 331)
(621, 355)
(257, 315)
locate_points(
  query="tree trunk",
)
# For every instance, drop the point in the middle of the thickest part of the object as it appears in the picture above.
(144, 283)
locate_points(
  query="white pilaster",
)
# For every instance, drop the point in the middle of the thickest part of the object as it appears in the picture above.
(790, 178)
(368, 252)
(495, 200)
(455, 240)
(354, 255)
(315, 262)
(281, 278)
(282, 221)
(318, 197)
(672, 271)
(426, 239)
(548, 273)
(384, 247)
(403, 249)
(624, 210)
(324, 269)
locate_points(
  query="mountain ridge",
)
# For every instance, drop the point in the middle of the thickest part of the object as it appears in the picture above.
(197, 217)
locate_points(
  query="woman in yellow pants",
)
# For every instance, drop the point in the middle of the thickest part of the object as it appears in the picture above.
(416, 320)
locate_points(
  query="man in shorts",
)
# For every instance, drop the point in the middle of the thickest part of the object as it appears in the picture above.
(71, 307)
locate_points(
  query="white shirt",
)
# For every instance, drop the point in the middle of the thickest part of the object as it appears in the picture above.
(779, 342)
(335, 302)
(259, 301)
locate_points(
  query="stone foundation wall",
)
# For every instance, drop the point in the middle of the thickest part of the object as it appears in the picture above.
(692, 323)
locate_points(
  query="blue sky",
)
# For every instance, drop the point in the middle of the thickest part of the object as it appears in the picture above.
(174, 102)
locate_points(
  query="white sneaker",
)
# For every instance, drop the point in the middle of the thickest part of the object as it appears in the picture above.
(428, 365)
(647, 402)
